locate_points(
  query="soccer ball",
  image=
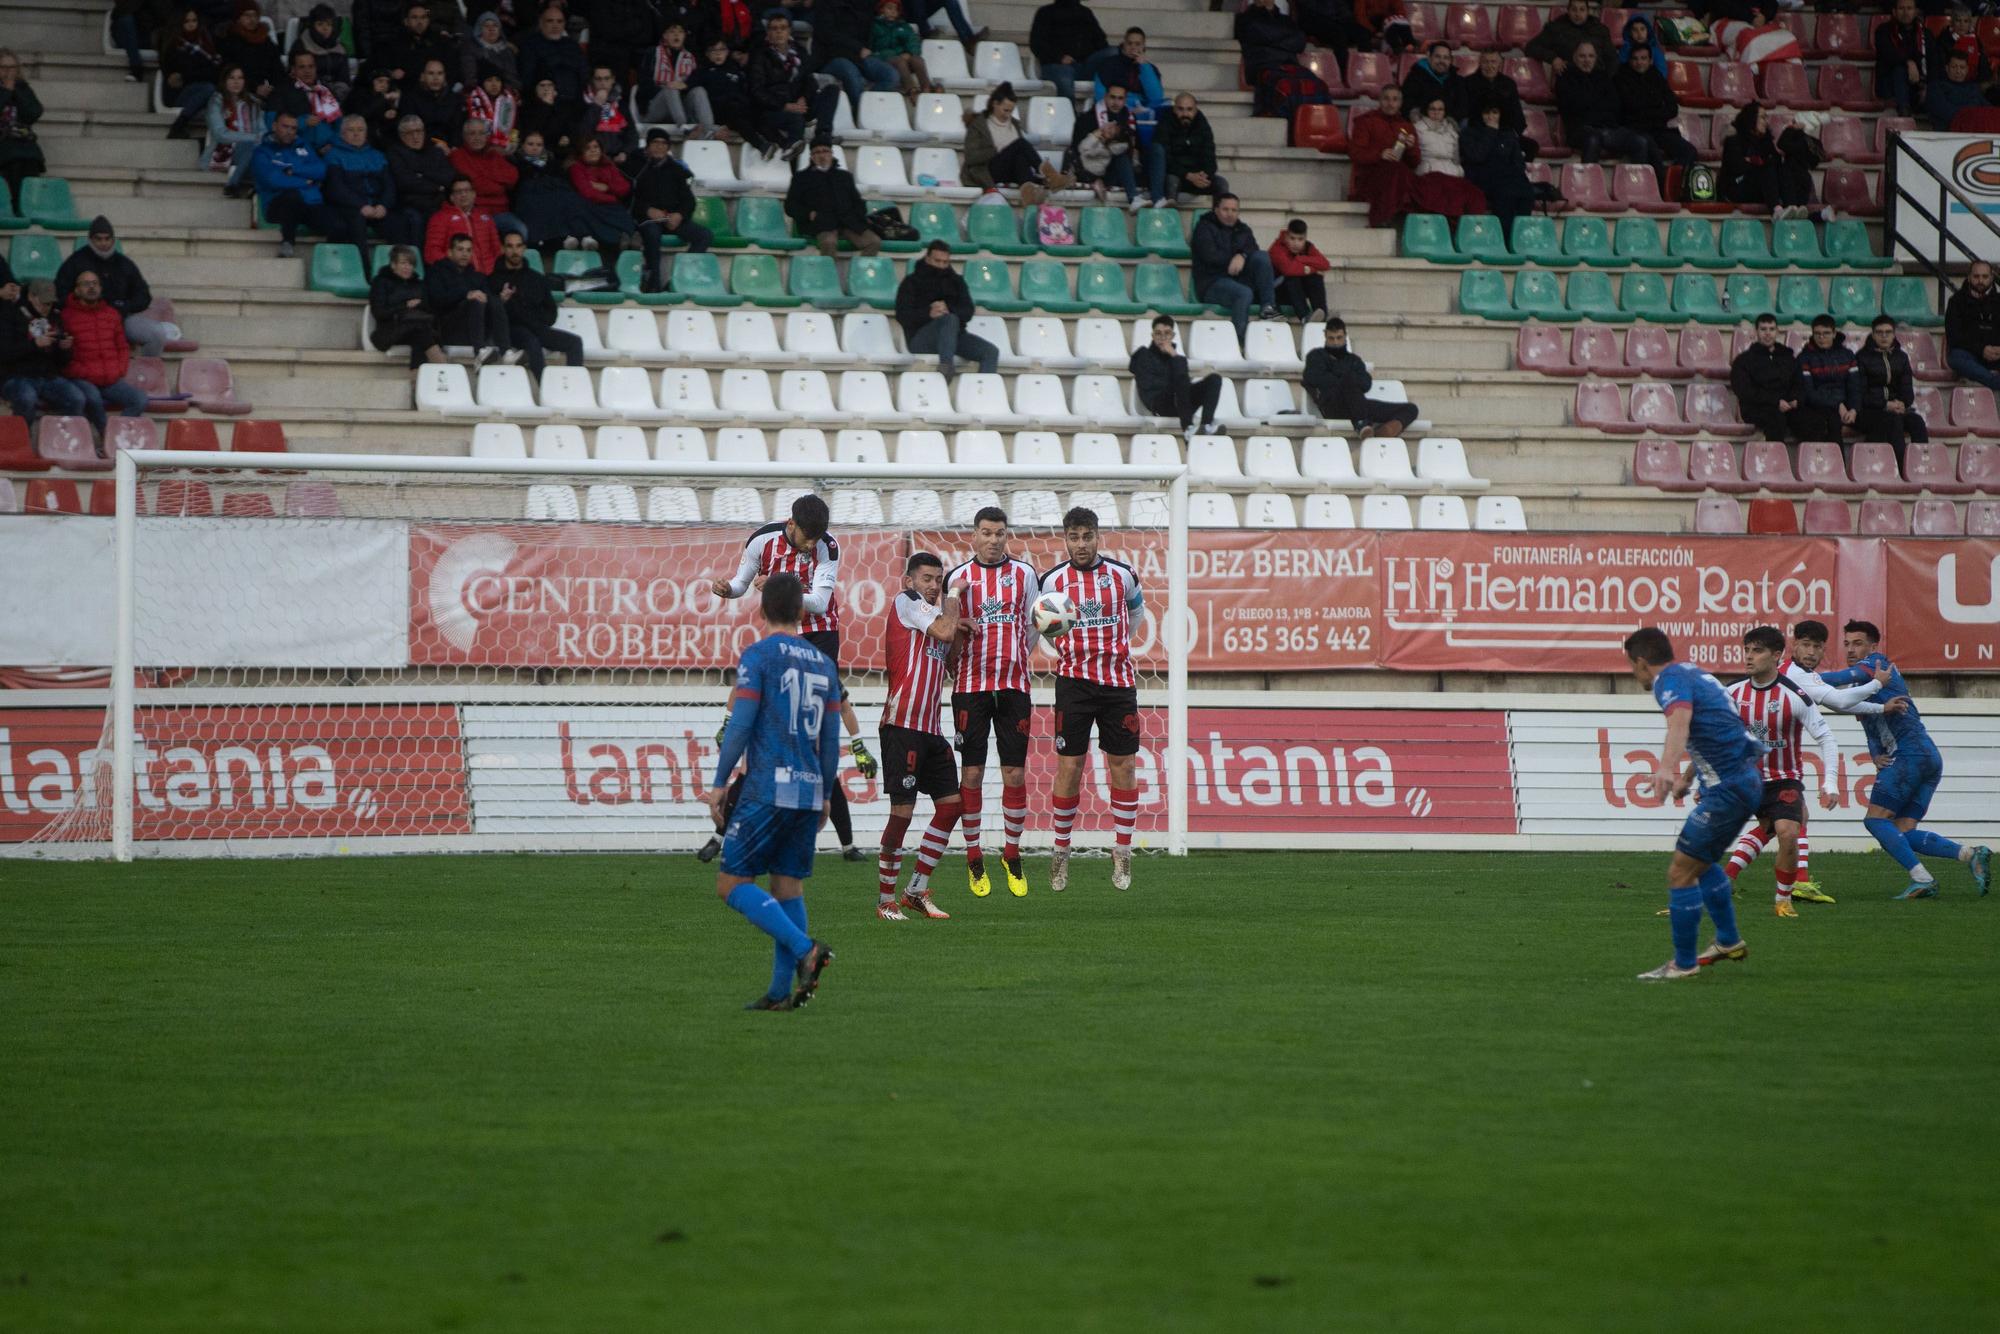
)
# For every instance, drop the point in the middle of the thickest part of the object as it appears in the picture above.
(1054, 614)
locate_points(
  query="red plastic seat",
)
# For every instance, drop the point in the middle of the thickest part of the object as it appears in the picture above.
(1713, 464)
(1937, 518)
(1979, 465)
(207, 381)
(1930, 468)
(131, 433)
(1426, 22)
(1546, 131)
(1826, 517)
(1517, 25)
(1884, 518)
(1930, 404)
(1470, 25)
(1849, 87)
(1885, 126)
(178, 497)
(311, 500)
(1767, 463)
(1636, 187)
(1529, 80)
(1718, 514)
(1598, 349)
(1823, 466)
(1704, 350)
(1319, 127)
(1733, 85)
(193, 433)
(1843, 35)
(1972, 410)
(1368, 72)
(1686, 79)
(17, 454)
(52, 495)
(1541, 347)
(1699, 130)
(150, 374)
(1654, 408)
(1846, 140)
(247, 505)
(1323, 63)
(1650, 349)
(1926, 359)
(1659, 464)
(1982, 518)
(1847, 190)
(257, 437)
(1773, 517)
(1584, 186)
(70, 443)
(1874, 467)
(1713, 409)
(1600, 405)
(1785, 83)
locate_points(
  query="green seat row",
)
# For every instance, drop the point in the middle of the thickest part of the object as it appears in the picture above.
(995, 229)
(338, 268)
(1636, 242)
(1692, 297)
(45, 202)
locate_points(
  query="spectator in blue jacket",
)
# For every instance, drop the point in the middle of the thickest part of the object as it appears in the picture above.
(288, 177)
(358, 183)
(1129, 68)
(1945, 98)
(1829, 384)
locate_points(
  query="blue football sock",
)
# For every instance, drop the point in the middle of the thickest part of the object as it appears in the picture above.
(784, 963)
(1926, 844)
(1714, 886)
(768, 916)
(1892, 841)
(1684, 911)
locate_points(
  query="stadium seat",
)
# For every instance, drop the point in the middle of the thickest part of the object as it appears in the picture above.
(1982, 518)
(1718, 514)
(1883, 518)
(1846, 190)
(1847, 244)
(1772, 517)
(1211, 509)
(747, 335)
(1386, 512)
(1661, 465)
(1598, 349)
(1539, 295)
(1157, 286)
(1319, 128)
(1051, 121)
(17, 453)
(636, 334)
(680, 444)
(1588, 295)
(1386, 462)
(1269, 510)
(1979, 465)
(1000, 62)
(742, 444)
(1703, 352)
(1045, 286)
(508, 392)
(1159, 232)
(708, 160)
(1484, 293)
(1936, 518)
(859, 446)
(1368, 72)
(1828, 517)
(1042, 340)
(1602, 406)
(811, 335)
(945, 59)
(1692, 241)
(806, 396)
(1638, 241)
(144, 433)
(567, 391)
(1104, 231)
(1690, 87)
(337, 269)
(1152, 449)
(1745, 243)
(1929, 467)
(698, 278)
(563, 444)
(865, 396)
(619, 444)
(1327, 511)
(46, 201)
(1636, 187)
(926, 396)
(498, 440)
(983, 398)
(1768, 464)
(1713, 464)
(1038, 449)
(71, 444)
(1848, 87)
(1212, 458)
(1536, 241)
(735, 505)
(208, 382)
(1443, 512)
(687, 393)
(1873, 464)
(1905, 300)
(443, 387)
(1269, 345)
(1823, 467)
(1584, 186)
(546, 501)
(1268, 458)
(1441, 462)
(1483, 240)
(193, 434)
(1499, 514)
(1971, 410)
(871, 338)
(1644, 295)
(995, 228)
(965, 504)
(1538, 347)
(1650, 351)
(1327, 459)
(626, 392)
(1712, 408)
(757, 278)
(1040, 398)
(1096, 449)
(815, 281)
(923, 449)
(856, 507)
(746, 394)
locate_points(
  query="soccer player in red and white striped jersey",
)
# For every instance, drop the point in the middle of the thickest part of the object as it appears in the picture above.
(990, 692)
(922, 622)
(1095, 684)
(1777, 713)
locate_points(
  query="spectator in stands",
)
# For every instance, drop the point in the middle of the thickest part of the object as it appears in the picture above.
(1103, 143)
(312, 102)
(1388, 21)
(126, 21)
(376, 99)
(485, 43)
(561, 124)
(288, 176)
(1972, 328)
(1754, 171)
(726, 85)
(415, 44)
(461, 215)
(1648, 107)
(235, 128)
(190, 69)
(551, 53)
(1829, 391)
(663, 205)
(1331, 23)
(666, 88)
(1230, 269)
(1956, 91)
(1496, 161)
(1067, 40)
(1382, 146)
(246, 42)
(605, 115)
(431, 100)
(402, 316)
(1160, 374)
(1765, 379)
(933, 306)
(1639, 36)
(467, 314)
(123, 287)
(358, 183)
(319, 37)
(605, 192)
(1271, 45)
(1140, 78)
(1184, 166)
(1888, 391)
(1430, 77)
(998, 153)
(531, 309)
(1588, 100)
(1902, 58)
(100, 354)
(1961, 37)
(550, 208)
(899, 44)
(841, 50)
(827, 206)
(1338, 382)
(1465, 94)
(492, 102)
(20, 152)
(1556, 44)
(1297, 264)
(1440, 174)
(954, 13)
(492, 173)
(34, 356)
(784, 90)
(622, 32)
(422, 174)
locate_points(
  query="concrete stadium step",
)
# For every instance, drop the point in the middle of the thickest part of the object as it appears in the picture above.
(73, 89)
(35, 28)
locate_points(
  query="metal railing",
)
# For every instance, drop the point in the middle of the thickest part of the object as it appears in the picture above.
(1896, 194)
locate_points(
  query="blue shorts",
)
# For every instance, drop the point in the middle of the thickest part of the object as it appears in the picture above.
(1719, 816)
(764, 840)
(1905, 785)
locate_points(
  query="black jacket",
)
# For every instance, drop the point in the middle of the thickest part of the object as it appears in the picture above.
(560, 61)
(1337, 382)
(18, 353)
(1763, 375)
(1645, 102)
(773, 84)
(125, 287)
(1189, 147)
(1066, 28)
(925, 285)
(663, 184)
(532, 306)
(401, 51)
(1559, 39)
(1972, 323)
(728, 89)
(825, 201)
(1156, 374)
(261, 61)
(389, 297)
(1465, 94)
(839, 30)
(1214, 245)
(422, 177)
(1421, 85)
(1829, 378)
(1587, 102)
(442, 112)
(1886, 375)
(1267, 37)
(446, 286)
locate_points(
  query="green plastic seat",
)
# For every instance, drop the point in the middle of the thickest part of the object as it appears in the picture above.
(1483, 240)
(1045, 287)
(46, 201)
(994, 229)
(1103, 230)
(1483, 292)
(871, 280)
(1692, 241)
(1538, 295)
(1644, 296)
(1800, 298)
(713, 213)
(816, 282)
(1749, 295)
(34, 255)
(1746, 243)
(10, 220)
(992, 287)
(937, 221)
(698, 278)
(1846, 243)
(1588, 241)
(892, 247)
(762, 220)
(1854, 300)
(1697, 298)
(1590, 297)
(1797, 243)
(1909, 301)
(1536, 241)
(337, 269)
(1158, 231)
(1156, 286)
(1637, 241)
(631, 268)
(1428, 236)
(568, 263)
(757, 278)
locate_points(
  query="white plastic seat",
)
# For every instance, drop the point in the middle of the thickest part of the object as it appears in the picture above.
(782, 498)
(916, 507)
(1212, 343)
(1154, 450)
(1447, 512)
(686, 393)
(627, 392)
(939, 118)
(1100, 341)
(887, 116)
(1385, 512)
(1500, 514)
(581, 321)
(1386, 462)
(1269, 400)
(508, 391)
(926, 396)
(736, 504)
(1000, 62)
(741, 444)
(1099, 401)
(751, 335)
(864, 396)
(844, 129)
(672, 504)
(1142, 336)
(983, 398)
(708, 161)
(859, 447)
(1326, 458)
(1388, 391)
(965, 504)
(941, 165)
(747, 394)
(611, 502)
(1039, 398)
(443, 387)
(1268, 458)
(1213, 458)
(1212, 509)
(1148, 509)
(635, 334)
(803, 445)
(1441, 462)
(1044, 342)
(761, 176)
(1269, 509)
(1228, 414)
(994, 330)
(680, 444)
(1038, 449)
(1329, 511)
(811, 334)
(878, 170)
(1101, 503)
(870, 338)
(562, 443)
(691, 336)
(1034, 509)
(978, 449)
(806, 396)
(568, 392)
(1051, 120)
(620, 444)
(945, 59)
(852, 507)
(1095, 449)
(1268, 346)
(923, 449)
(549, 501)
(498, 440)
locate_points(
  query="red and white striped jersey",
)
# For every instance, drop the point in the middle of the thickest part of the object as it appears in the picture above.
(1779, 714)
(916, 662)
(1851, 699)
(999, 600)
(1107, 598)
(769, 551)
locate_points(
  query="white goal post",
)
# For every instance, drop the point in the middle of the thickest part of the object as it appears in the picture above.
(384, 501)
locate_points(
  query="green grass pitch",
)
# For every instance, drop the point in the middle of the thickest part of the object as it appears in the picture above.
(1259, 1092)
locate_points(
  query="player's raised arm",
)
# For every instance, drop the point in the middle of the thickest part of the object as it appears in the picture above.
(744, 703)
(826, 574)
(951, 614)
(746, 574)
(1815, 726)
(1843, 691)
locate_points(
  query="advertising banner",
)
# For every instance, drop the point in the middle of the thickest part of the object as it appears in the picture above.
(1971, 163)
(1945, 615)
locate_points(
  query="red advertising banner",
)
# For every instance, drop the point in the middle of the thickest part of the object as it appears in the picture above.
(1564, 602)
(282, 771)
(1944, 612)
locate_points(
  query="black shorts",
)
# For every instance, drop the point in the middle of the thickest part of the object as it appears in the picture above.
(1114, 709)
(1783, 799)
(914, 762)
(828, 642)
(1007, 713)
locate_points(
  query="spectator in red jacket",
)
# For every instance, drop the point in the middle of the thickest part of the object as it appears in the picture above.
(604, 188)
(492, 173)
(101, 355)
(1298, 266)
(462, 216)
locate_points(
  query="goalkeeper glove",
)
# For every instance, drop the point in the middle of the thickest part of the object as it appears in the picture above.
(862, 759)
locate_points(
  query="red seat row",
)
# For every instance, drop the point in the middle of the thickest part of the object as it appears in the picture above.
(1512, 27)
(205, 382)
(1766, 465)
(1835, 518)
(1602, 349)
(55, 495)
(70, 443)
(1712, 407)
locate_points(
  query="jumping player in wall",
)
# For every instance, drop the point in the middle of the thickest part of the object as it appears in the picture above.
(801, 546)
(1778, 714)
(923, 621)
(990, 690)
(1095, 686)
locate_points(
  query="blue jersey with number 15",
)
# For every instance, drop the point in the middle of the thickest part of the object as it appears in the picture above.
(1719, 744)
(785, 720)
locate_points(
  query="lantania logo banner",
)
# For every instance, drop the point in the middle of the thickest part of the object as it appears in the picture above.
(1975, 167)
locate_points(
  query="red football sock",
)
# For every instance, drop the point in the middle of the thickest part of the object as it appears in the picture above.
(1014, 811)
(1065, 818)
(1124, 813)
(936, 839)
(889, 864)
(969, 803)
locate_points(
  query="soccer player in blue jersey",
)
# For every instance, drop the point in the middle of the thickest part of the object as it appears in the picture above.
(784, 718)
(1907, 768)
(1703, 726)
